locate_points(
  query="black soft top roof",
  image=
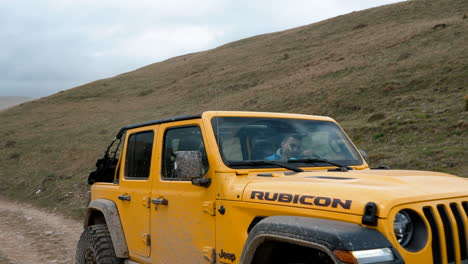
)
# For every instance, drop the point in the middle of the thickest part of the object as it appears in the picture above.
(155, 122)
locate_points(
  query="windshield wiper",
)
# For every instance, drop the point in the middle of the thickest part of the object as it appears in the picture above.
(342, 167)
(264, 162)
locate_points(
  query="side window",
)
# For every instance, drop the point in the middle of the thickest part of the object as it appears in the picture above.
(187, 138)
(138, 159)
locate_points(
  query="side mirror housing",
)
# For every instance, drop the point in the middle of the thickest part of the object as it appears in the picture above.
(188, 164)
(364, 155)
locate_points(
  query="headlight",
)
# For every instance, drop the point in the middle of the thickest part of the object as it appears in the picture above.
(410, 230)
(403, 227)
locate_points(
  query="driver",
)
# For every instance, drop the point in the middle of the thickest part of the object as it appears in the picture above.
(290, 148)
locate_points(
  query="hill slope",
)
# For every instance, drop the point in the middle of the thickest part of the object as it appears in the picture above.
(395, 77)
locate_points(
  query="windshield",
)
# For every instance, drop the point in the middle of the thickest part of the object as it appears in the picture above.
(243, 139)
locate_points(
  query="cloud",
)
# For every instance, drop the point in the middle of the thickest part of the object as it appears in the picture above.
(165, 42)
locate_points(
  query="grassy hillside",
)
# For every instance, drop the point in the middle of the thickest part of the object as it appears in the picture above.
(395, 77)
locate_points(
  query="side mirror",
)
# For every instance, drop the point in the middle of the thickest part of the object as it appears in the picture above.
(188, 164)
(364, 155)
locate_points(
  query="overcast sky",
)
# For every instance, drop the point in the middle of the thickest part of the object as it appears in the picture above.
(52, 45)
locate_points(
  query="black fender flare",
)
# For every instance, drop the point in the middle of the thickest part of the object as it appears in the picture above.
(322, 234)
(111, 215)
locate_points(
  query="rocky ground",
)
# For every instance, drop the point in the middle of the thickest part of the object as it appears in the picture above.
(31, 236)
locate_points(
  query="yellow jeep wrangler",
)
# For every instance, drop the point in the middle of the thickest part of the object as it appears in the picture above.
(264, 188)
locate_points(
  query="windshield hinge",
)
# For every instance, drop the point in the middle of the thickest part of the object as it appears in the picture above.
(209, 254)
(209, 208)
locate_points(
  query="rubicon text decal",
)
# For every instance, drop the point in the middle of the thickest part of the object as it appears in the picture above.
(301, 199)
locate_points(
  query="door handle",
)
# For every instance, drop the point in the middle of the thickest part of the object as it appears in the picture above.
(160, 201)
(125, 197)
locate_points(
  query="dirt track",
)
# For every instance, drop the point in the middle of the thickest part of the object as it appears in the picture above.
(32, 236)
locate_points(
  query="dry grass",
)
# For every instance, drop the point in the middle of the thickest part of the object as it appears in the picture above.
(395, 77)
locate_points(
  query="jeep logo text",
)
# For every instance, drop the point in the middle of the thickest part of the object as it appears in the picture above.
(226, 255)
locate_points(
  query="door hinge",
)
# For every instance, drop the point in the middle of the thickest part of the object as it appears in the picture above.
(209, 254)
(147, 239)
(209, 208)
(147, 202)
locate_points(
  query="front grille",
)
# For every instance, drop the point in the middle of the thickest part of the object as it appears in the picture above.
(448, 224)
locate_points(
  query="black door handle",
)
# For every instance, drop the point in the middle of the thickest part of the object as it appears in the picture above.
(125, 197)
(161, 201)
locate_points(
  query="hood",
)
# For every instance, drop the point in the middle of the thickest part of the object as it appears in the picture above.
(349, 192)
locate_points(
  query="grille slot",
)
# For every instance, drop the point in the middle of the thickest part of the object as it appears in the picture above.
(436, 249)
(461, 230)
(449, 244)
(465, 206)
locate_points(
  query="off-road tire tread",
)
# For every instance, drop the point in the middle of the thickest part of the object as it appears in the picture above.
(98, 239)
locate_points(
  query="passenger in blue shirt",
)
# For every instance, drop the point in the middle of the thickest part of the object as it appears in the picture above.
(290, 148)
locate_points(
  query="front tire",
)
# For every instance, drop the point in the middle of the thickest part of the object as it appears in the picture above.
(95, 247)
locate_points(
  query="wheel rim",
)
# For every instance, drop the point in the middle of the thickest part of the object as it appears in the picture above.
(90, 258)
